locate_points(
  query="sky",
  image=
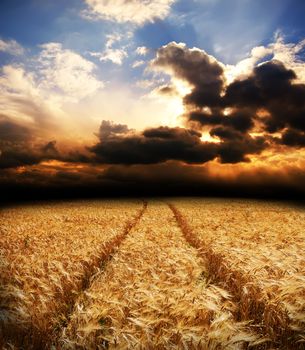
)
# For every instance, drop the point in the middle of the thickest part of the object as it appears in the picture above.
(197, 96)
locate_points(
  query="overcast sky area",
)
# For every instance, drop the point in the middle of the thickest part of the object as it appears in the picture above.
(201, 96)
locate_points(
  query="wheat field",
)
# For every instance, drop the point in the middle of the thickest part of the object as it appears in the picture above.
(152, 274)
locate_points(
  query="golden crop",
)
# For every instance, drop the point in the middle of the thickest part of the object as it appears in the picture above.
(48, 253)
(190, 274)
(257, 251)
(154, 295)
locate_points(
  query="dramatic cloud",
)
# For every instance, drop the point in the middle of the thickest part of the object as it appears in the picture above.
(267, 101)
(293, 138)
(239, 119)
(271, 88)
(235, 146)
(18, 146)
(119, 145)
(134, 11)
(11, 47)
(197, 68)
(240, 126)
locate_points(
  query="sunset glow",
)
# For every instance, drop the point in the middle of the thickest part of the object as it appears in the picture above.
(105, 87)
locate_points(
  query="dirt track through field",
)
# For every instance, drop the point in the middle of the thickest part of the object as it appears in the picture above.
(153, 294)
(273, 301)
(46, 319)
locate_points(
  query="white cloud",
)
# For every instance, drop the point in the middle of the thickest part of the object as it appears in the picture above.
(137, 64)
(21, 97)
(244, 67)
(288, 54)
(145, 83)
(142, 50)
(115, 55)
(113, 39)
(11, 47)
(67, 71)
(279, 50)
(133, 11)
(40, 92)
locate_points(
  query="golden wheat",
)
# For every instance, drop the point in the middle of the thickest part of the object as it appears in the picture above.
(154, 295)
(257, 251)
(48, 253)
(199, 274)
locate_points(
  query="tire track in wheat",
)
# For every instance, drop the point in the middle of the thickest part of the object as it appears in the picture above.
(109, 250)
(44, 321)
(253, 305)
(153, 294)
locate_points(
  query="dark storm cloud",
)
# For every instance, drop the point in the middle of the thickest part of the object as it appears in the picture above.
(241, 119)
(16, 155)
(157, 145)
(270, 88)
(199, 69)
(154, 145)
(268, 81)
(293, 138)
(120, 145)
(229, 113)
(18, 146)
(171, 133)
(235, 146)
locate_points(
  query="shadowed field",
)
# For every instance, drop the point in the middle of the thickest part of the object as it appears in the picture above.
(161, 274)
